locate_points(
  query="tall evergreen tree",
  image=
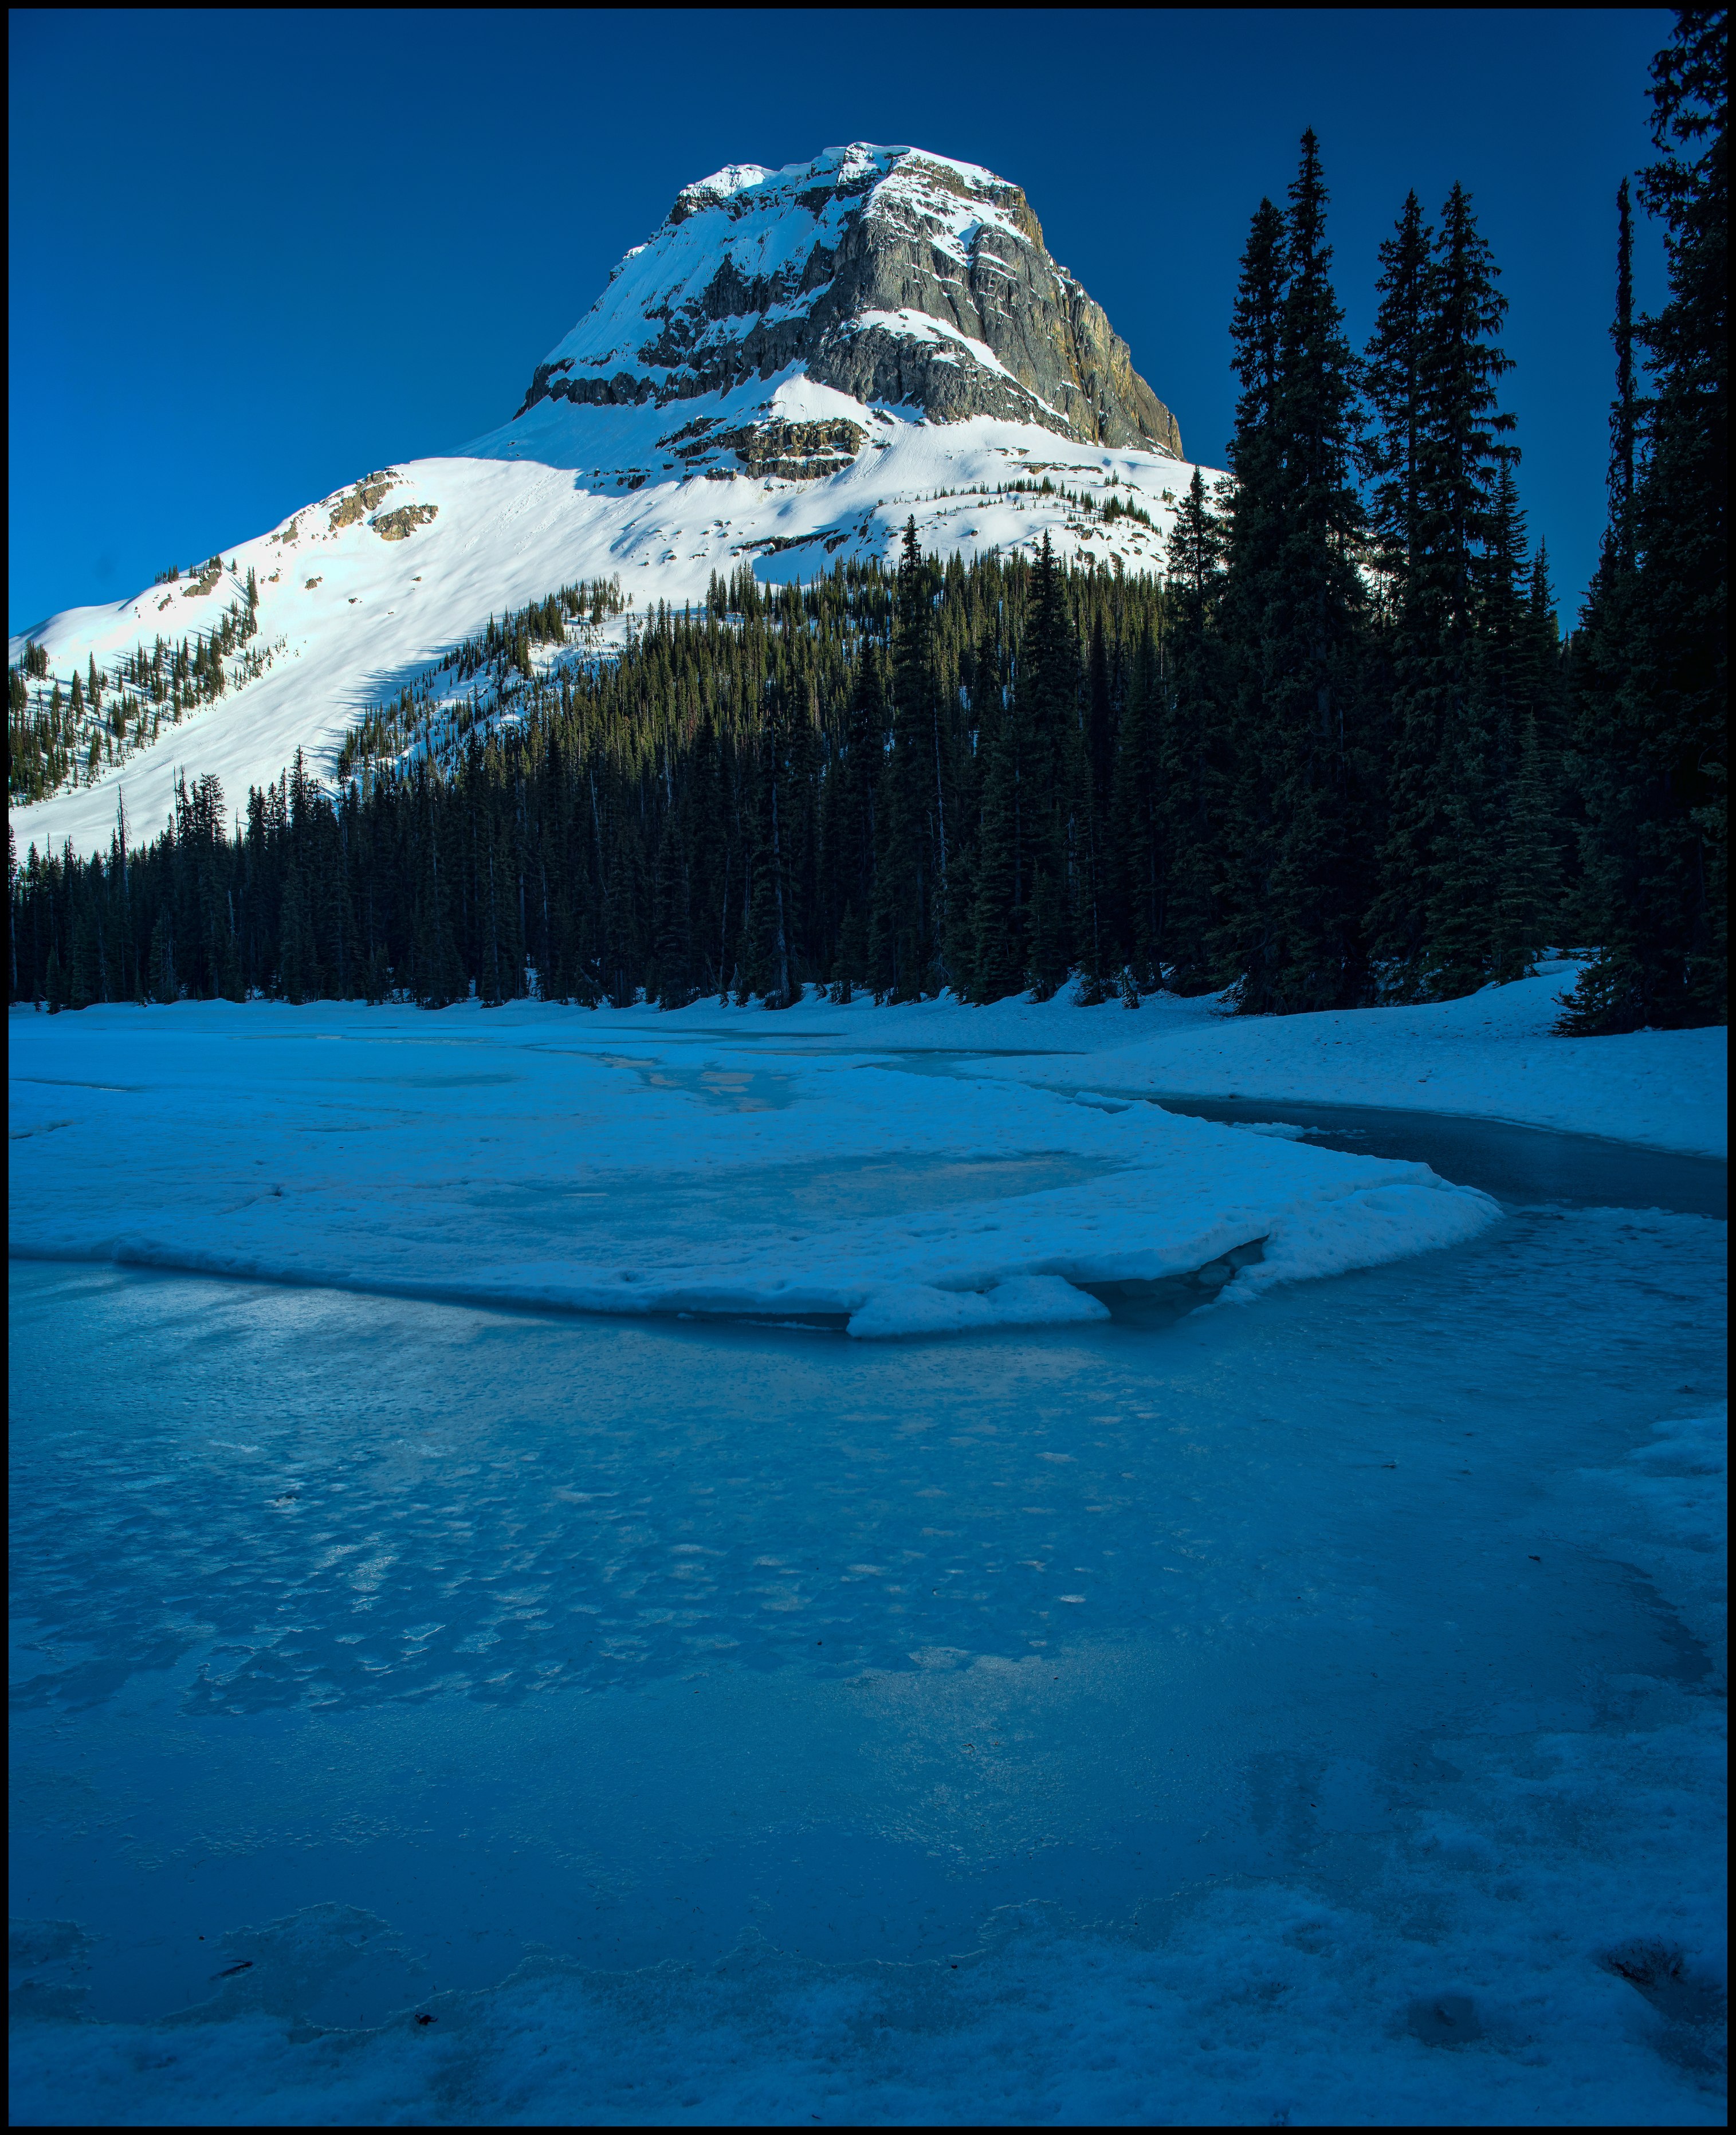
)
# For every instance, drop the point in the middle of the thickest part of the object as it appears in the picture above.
(1046, 694)
(1137, 861)
(1624, 409)
(910, 816)
(1508, 821)
(1189, 784)
(1651, 669)
(848, 828)
(1546, 701)
(765, 957)
(1432, 905)
(1097, 933)
(1392, 446)
(1295, 604)
(1254, 537)
(1022, 911)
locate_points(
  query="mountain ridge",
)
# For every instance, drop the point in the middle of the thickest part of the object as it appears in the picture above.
(716, 426)
(1020, 337)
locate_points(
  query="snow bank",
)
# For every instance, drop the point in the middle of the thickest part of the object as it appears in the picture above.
(1021, 1300)
(1665, 1510)
(1492, 1055)
(518, 1157)
(1273, 2005)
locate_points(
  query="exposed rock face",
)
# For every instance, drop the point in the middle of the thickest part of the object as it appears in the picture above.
(802, 452)
(399, 525)
(888, 274)
(359, 500)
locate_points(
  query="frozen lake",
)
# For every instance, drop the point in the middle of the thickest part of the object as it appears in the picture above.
(1310, 1712)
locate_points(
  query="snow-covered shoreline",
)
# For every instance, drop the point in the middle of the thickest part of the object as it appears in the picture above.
(516, 1158)
(726, 1160)
(1491, 1055)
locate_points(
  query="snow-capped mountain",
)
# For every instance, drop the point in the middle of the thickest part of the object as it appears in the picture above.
(796, 363)
(887, 277)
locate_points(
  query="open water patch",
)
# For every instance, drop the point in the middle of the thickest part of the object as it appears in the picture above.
(1499, 1157)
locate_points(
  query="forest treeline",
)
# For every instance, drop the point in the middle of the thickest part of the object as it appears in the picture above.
(1338, 755)
(57, 737)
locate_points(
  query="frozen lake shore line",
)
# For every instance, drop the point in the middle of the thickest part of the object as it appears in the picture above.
(550, 1158)
(732, 1161)
(1491, 1055)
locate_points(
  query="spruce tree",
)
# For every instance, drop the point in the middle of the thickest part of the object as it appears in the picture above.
(1546, 697)
(1024, 923)
(767, 965)
(671, 916)
(1291, 930)
(1097, 931)
(706, 868)
(1528, 912)
(1003, 874)
(1433, 902)
(851, 787)
(850, 958)
(1100, 725)
(1651, 681)
(1469, 942)
(909, 909)
(1254, 535)
(1188, 782)
(162, 982)
(1137, 861)
(1392, 446)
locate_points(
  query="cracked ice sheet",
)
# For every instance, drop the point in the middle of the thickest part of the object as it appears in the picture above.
(537, 1156)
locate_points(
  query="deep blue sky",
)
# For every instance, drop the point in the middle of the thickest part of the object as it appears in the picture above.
(254, 253)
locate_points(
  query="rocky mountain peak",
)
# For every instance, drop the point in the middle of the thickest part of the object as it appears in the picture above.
(890, 275)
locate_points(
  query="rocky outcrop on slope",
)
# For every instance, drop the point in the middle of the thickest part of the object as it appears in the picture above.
(801, 452)
(888, 274)
(361, 499)
(399, 525)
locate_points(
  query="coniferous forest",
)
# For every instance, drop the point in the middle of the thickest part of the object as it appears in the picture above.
(1339, 755)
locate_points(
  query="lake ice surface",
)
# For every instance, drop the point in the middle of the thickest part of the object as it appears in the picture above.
(524, 1158)
(1299, 1712)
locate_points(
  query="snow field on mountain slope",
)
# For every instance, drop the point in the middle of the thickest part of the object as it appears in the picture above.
(534, 1156)
(541, 504)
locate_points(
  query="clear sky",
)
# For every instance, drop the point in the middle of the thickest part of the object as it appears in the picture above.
(255, 254)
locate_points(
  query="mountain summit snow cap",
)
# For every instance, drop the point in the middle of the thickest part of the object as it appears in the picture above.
(892, 275)
(707, 192)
